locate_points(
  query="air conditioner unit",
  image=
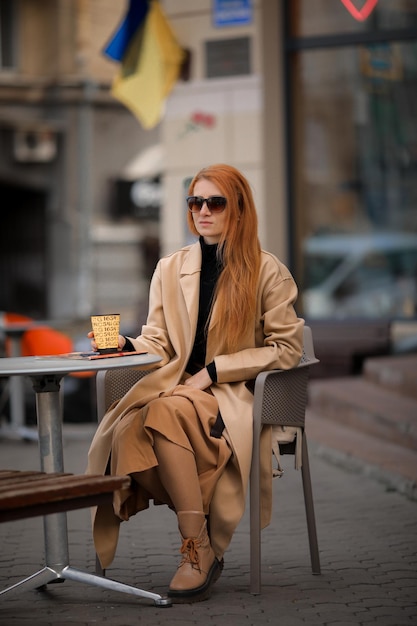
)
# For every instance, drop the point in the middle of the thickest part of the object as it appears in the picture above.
(34, 146)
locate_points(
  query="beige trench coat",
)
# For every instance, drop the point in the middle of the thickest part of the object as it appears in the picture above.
(274, 341)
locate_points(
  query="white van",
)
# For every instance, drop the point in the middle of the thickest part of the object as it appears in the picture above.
(366, 275)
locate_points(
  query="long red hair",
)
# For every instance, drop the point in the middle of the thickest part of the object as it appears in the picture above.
(239, 251)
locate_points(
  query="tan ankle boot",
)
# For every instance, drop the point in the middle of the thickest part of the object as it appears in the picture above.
(199, 568)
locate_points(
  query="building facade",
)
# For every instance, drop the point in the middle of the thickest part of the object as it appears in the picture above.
(64, 142)
(315, 105)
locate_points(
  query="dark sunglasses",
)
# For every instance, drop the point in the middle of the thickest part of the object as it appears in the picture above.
(215, 204)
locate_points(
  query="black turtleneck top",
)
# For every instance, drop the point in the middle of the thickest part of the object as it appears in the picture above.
(211, 268)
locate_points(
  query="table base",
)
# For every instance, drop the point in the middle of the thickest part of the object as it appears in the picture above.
(50, 574)
(57, 568)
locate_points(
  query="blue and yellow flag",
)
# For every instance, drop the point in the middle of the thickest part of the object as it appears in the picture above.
(151, 60)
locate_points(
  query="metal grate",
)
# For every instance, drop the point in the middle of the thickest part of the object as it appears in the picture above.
(228, 57)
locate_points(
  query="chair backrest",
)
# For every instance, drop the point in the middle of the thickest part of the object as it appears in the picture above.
(113, 384)
(281, 395)
(8, 317)
(290, 386)
(44, 341)
(308, 357)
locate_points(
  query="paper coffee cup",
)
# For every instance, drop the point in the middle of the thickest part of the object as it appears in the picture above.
(106, 329)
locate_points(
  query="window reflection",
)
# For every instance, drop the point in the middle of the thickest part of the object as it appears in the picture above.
(355, 146)
(361, 275)
(311, 18)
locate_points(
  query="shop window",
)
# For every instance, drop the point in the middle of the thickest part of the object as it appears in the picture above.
(314, 18)
(354, 164)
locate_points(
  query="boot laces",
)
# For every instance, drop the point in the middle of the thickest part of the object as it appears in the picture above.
(189, 549)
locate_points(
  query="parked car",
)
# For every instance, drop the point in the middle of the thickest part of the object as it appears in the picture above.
(367, 275)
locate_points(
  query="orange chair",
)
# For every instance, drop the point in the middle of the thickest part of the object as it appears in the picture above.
(9, 318)
(12, 318)
(41, 341)
(44, 341)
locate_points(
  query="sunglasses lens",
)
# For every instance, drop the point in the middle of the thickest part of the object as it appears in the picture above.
(194, 203)
(215, 204)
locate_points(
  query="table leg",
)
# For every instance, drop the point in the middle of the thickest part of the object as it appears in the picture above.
(48, 408)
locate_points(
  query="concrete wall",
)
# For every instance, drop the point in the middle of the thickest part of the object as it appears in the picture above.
(248, 120)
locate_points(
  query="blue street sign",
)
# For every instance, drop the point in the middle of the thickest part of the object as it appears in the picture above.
(232, 12)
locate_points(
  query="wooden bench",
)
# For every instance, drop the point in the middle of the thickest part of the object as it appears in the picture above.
(29, 494)
(343, 345)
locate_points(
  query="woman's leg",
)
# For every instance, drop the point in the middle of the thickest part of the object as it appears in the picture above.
(166, 449)
(178, 474)
(150, 481)
(199, 568)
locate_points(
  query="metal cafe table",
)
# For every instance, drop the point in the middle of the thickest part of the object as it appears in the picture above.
(46, 374)
(14, 331)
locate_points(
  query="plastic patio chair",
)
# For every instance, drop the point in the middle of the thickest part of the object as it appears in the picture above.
(38, 341)
(280, 397)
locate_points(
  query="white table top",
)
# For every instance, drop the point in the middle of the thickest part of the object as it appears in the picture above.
(38, 365)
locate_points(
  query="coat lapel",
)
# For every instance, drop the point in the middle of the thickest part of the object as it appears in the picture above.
(190, 284)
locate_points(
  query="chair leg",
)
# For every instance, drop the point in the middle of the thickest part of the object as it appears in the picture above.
(309, 506)
(255, 550)
(255, 519)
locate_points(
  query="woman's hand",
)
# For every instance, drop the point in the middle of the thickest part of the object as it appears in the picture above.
(121, 343)
(201, 380)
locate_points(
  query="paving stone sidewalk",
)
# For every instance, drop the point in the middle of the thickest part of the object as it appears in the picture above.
(367, 540)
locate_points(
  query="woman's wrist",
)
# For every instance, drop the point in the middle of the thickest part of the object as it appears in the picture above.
(212, 372)
(128, 347)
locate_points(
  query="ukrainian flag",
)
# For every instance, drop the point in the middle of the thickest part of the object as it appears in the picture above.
(151, 60)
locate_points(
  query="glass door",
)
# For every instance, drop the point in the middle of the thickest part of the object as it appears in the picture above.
(353, 98)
